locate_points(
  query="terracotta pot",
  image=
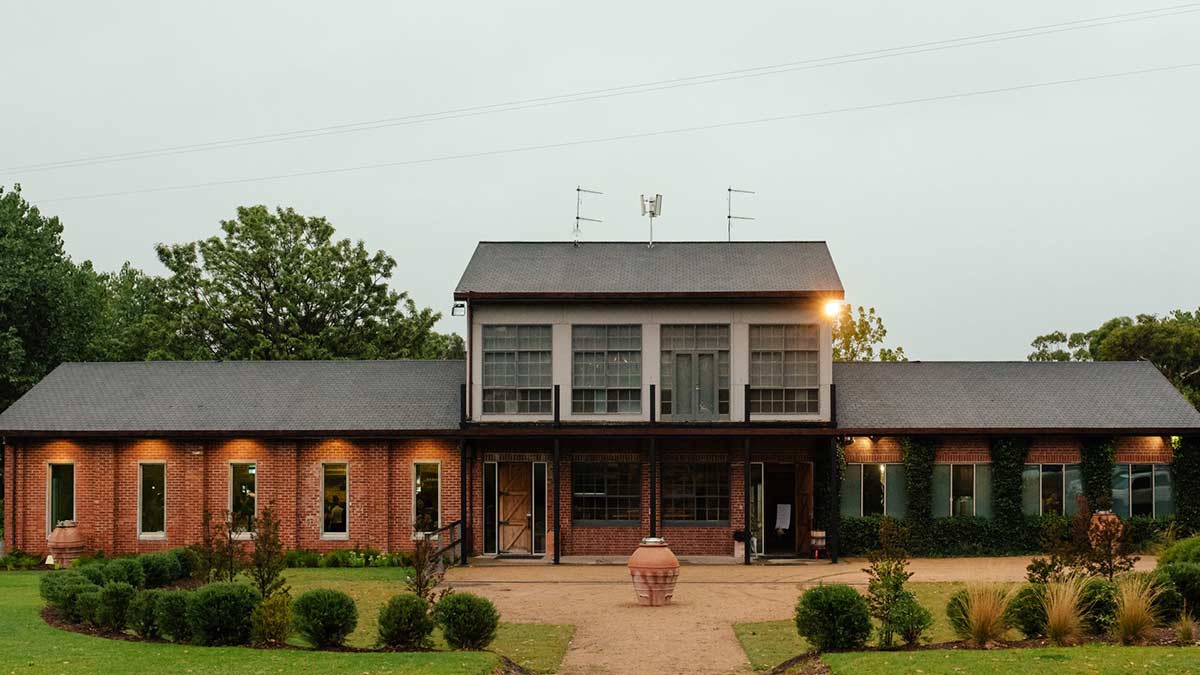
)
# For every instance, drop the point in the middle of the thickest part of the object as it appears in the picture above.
(654, 569)
(1101, 521)
(65, 543)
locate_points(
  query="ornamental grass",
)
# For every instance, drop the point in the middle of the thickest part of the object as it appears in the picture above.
(1136, 613)
(1064, 607)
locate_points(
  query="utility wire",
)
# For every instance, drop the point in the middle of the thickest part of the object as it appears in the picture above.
(625, 137)
(625, 90)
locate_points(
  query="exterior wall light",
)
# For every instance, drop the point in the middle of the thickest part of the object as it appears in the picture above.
(459, 309)
(833, 308)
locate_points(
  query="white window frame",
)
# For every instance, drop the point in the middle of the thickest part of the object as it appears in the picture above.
(243, 535)
(641, 367)
(1153, 486)
(750, 351)
(160, 535)
(862, 472)
(328, 536)
(50, 492)
(1041, 497)
(412, 515)
(974, 487)
(484, 351)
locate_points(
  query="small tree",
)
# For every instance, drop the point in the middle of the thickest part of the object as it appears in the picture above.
(267, 562)
(428, 573)
(218, 554)
(887, 574)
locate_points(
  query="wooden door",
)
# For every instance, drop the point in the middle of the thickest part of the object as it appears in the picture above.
(516, 507)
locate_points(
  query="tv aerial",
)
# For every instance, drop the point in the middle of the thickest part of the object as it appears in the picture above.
(652, 208)
(579, 192)
(729, 217)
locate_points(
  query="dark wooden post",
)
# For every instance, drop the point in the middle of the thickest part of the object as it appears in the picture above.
(746, 401)
(746, 497)
(653, 486)
(462, 503)
(557, 518)
(653, 405)
(834, 506)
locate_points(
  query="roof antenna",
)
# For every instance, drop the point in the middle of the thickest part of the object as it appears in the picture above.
(653, 208)
(579, 206)
(729, 217)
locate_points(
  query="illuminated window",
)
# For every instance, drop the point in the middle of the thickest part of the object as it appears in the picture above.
(242, 498)
(426, 497)
(334, 499)
(152, 499)
(62, 494)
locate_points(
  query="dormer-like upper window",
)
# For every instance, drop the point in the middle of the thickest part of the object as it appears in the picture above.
(516, 370)
(606, 369)
(785, 369)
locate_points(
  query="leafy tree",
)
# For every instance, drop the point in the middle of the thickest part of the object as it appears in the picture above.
(1171, 343)
(267, 562)
(276, 285)
(859, 337)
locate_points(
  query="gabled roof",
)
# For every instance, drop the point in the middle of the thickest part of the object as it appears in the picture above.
(203, 397)
(1009, 396)
(518, 270)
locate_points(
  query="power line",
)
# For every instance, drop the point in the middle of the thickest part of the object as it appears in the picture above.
(633, 136)
(624, 90)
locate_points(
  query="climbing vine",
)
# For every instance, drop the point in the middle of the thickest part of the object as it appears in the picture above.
(1185, 469)
(824, 492)
(1095, 467)
(1008, 461)
(918, 455)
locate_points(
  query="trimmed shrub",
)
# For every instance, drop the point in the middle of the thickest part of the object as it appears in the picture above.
(1184, 550)
(910, 620)
(18, 559)
(1027, 613)
(833, 617)
(325, 617)
(188, 561)
(1100, 605)
(219, 614)
(125, 570)
(271, 621)
(113, 611)
(404, 623)
(1186, 578)
(1169, 601)
(87, 607)
(171, 615)
(160, 569)
(342, 557)
(469, 621)
(93, 573)
(142, 617)
(61, 589)
(302, 558)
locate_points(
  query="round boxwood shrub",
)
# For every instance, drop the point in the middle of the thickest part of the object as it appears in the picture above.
(125, 570)
(61, 589)
(113, 611)
(141, 617)
(1100, 605)
(910, 620)
(219, 614)
(404, 623)
(325, 617)
(87, 607)
(93, 572)
(1027, 612)
(271, 622)
(171, 615)
(1186, 578)
(467, 621)
(833, 617)
(160, 569)
(1184, 550)
(187, 560)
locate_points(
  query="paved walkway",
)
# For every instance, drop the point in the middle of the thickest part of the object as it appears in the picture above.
(614, 636)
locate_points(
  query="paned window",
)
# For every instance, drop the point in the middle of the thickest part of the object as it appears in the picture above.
(695, 492)
(606, 369)
(606, 491)
(1142, 490)
(874, 490)
(785, 369)
(1051, 489)
(517, 369)
(695, 371)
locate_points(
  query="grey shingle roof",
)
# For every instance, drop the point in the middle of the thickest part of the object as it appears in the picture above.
(669, 268)
(264, 396)
(1009, 395)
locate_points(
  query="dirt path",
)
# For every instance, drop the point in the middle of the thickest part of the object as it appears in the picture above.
(614, 636)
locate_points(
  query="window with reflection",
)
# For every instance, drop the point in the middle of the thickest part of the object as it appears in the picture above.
(242, 497)
(335, 487)
(427, 512)
(152, 516)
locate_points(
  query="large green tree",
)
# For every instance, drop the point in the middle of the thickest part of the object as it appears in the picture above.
(1171, 343)
(49, 306)
(859, 335)
(277, 285)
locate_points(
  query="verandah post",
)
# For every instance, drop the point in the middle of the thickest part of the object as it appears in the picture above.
(746, 498)
(653, 487)
(557, 537)
(462, 503)
(833, 507)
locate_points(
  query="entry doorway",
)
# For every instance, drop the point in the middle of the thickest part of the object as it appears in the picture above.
(782, 504)
(515, 508)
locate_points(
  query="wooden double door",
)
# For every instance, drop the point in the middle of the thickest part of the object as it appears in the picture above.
(521, 508)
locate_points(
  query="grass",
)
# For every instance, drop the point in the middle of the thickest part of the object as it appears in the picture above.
(769, 643)
(29, 646)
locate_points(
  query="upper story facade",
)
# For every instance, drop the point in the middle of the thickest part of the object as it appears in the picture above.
(621, 332)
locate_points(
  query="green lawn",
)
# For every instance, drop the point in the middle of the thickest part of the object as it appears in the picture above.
(769, 643)
(28, 645)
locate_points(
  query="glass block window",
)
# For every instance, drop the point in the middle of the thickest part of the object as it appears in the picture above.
(873, 490)
(1142, 490)
(695, 492)
(785, 369)
(1051, 489)
(516, 369)
(606, 369)
(606, 491)
(694, 362)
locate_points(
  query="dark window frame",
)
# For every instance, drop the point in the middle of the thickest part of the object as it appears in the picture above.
(610, 474)
(778, 398)
(719, 478)
(615, 397)
(516, 399)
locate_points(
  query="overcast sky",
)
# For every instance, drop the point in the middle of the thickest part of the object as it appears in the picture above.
(972, 223)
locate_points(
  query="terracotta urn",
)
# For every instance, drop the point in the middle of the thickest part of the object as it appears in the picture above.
(654, 569)
(1105, 527)
(65, 543)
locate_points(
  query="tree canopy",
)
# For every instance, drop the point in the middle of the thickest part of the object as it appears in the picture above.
(1171, 343)
(859, 336)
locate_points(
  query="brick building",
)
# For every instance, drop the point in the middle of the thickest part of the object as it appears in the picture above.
(611, 391)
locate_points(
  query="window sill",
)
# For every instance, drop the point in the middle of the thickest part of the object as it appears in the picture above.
(335, 536)
(582, 524)
(419, 536)
(152, 536)
(716, 524)
(243, 536)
